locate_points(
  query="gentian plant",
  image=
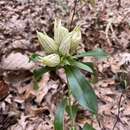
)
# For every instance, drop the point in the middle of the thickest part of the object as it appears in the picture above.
(61, 52)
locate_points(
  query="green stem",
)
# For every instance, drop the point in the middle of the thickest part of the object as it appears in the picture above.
(71, 111)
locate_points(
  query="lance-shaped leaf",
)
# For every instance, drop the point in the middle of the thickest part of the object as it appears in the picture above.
(82, 66)
(88, 127)
(59, 117)
(98, 53)
(81, 89)
(94, 77)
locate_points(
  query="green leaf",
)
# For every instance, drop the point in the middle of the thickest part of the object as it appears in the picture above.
(35, 57)
(94, 77)
(81, 89)
(83, 66)
(98, 53)
(88, 127)
(39, 72)
(59, 117)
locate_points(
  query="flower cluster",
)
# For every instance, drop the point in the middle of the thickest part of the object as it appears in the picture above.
(63, 45)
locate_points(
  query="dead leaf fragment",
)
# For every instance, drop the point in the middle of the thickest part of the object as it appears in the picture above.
(4, 89)
(16, 61)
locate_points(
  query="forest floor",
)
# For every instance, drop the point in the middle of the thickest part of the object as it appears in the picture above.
(107, 25)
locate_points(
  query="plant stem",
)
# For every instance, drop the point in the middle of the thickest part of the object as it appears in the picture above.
(71, 111)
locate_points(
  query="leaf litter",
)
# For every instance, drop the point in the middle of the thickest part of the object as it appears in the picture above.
(107, 26)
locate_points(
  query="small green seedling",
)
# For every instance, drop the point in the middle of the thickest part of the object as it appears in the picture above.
(61, 52)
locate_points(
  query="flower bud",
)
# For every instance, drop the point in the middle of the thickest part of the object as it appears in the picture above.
(47, 43)
(59, 32)
(76, 39)
(65, 45)
(51, 60)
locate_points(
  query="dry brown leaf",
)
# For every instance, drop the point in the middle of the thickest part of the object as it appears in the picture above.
(37, 111)
(16, 61)
(4, 89)
(43, 88)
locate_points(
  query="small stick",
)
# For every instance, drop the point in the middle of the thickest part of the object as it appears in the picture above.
(74, 11)
(82, 6)
(119, 105)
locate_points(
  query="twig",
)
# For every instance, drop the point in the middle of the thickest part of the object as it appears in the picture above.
(119, 4)
(82, 7)
(73, 14)
(107, 31)
(118, 114)
(113, 34)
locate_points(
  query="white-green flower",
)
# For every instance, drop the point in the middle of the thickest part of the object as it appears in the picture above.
(76, 39)
(47, 43)
(65, 45)
(59, 32)
(51, 60)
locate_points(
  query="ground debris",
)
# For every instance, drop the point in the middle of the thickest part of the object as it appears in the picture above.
(107, 25)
